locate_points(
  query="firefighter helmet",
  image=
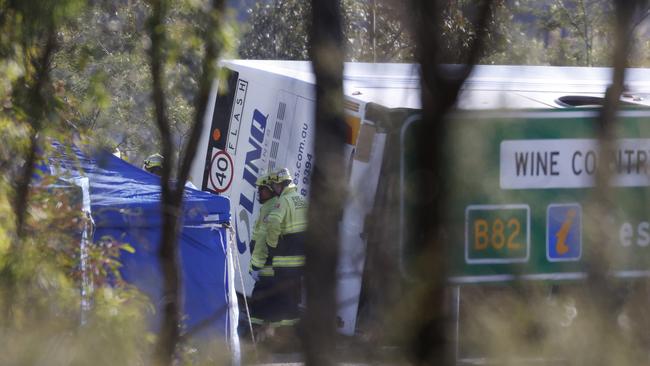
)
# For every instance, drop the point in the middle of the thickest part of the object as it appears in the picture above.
(281, 175)
(153, 161)
(263, 180)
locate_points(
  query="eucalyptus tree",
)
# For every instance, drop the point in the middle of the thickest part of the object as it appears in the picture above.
(372, 31)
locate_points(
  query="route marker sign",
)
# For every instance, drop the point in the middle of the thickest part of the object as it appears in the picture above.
(497, 233)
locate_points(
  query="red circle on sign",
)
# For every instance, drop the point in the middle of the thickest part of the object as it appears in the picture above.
(228, 168)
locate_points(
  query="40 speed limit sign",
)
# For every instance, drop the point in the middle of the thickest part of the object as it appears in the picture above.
(221, 171)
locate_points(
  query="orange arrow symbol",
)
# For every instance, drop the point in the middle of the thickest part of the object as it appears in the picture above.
(560, 246)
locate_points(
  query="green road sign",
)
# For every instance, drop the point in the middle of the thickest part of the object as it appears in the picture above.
(519, 187)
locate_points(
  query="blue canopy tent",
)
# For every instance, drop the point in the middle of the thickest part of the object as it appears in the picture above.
(125, 205)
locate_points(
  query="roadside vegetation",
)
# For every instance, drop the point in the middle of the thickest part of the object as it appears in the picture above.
(132, 76)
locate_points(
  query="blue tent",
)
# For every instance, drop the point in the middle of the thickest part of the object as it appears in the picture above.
(125, 205)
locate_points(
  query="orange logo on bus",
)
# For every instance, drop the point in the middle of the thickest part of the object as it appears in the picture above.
(216, 134)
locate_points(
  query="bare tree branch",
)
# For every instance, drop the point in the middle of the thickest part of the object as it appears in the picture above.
(643, 15)
(212, 51)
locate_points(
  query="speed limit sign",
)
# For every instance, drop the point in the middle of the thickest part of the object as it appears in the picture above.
(221, 171)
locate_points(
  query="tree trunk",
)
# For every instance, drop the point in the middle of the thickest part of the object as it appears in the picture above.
(36, 108)
(604, 292)
(328, 183)
(172, 196)
(427, 341)
(168, 251)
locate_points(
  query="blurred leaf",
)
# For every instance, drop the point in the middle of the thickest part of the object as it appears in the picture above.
(127, 248)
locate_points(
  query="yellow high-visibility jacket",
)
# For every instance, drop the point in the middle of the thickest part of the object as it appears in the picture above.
(288, 216)
(261, 251)
(285, 226)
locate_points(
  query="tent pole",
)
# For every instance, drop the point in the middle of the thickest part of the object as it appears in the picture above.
(232, 298)
(241, 278)
(86, 284)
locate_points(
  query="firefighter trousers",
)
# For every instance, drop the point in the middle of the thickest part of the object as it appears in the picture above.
(288, 264)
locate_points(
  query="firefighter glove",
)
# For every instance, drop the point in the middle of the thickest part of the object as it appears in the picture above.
(255, 275)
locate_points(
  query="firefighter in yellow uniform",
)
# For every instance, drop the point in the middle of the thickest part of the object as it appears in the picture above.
(260, 265)
(286, 227)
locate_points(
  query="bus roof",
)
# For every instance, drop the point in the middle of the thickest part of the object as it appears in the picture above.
(488, 87)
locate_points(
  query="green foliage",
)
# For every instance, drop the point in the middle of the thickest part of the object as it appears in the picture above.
(279, 29)
(580, 31)
(376, 32)
(40, 272)
(380, 32)
(525, 32)
(96, 89)
(104, 70)
(40, 283)
(103, 67)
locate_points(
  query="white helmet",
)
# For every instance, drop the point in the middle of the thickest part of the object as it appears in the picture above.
(281, 175)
